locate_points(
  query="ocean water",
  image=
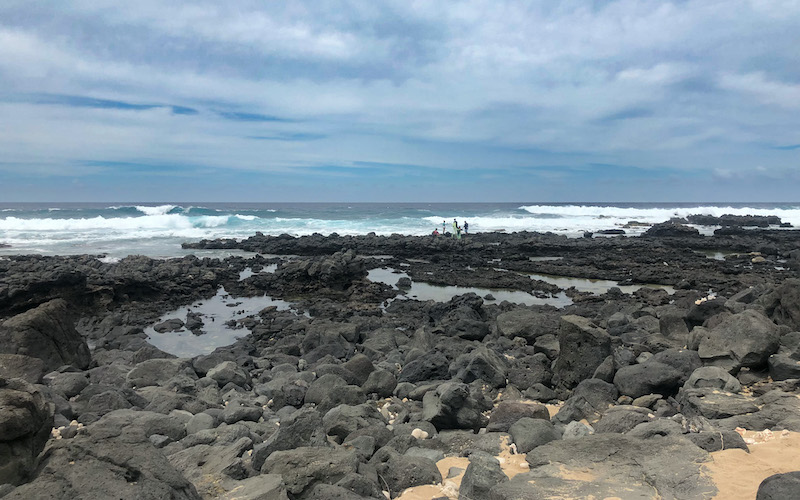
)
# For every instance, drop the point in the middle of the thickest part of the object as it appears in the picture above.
(157, 230)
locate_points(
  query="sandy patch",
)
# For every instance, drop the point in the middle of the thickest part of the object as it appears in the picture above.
(511, 463)
(737, 474)
(554, 408)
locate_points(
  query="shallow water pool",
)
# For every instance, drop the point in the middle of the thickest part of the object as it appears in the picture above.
(215, 312)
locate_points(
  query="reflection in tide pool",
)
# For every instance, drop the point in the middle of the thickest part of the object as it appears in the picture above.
(248, 271)
(594, 286)
(424, 291)
(215, 312)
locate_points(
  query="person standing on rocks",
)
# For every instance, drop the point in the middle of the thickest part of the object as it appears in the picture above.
(466, 227)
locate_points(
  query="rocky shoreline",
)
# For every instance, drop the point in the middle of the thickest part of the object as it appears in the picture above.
(358, 390)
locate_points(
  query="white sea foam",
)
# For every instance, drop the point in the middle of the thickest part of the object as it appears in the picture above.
(158, 210)
(163, 230)
(655, 215)
(151, 222)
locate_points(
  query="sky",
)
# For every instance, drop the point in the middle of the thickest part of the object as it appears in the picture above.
(473, 100)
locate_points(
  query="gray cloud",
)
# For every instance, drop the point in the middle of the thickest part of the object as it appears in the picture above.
(682, 85)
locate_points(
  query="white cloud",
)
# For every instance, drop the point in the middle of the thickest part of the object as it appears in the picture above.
(760, 87)
(369, 76)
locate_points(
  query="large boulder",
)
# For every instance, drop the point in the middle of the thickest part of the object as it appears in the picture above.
(529, 371)
(740, 340)
(600, 465)
(783, 367)
(112, 458)
(713, 404)
(481, 364)
(337, 271)
(508, 412)
(779, 486)
(647, 378)
(27, 368)
(343, 420)
(590, 399)
(301, 428)
(483, 473)
(228, 372)
(46, 332)
(450, 406)
(430, 366)
(783, 304)
(584, 346)
(671, 229)
(158, 371)
(207, 465)
(302, 468)
(26, 419)
(713, 377)
(404, 471)
(526, 323)
(528, 433)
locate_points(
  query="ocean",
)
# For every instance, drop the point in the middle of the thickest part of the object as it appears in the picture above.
(158, 229)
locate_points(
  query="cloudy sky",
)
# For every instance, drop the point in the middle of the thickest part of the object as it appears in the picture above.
(402, 100)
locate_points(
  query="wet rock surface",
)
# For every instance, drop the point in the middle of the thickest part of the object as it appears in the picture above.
(358, 389)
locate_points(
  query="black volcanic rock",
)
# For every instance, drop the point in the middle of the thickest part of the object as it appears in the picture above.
(671, 229)
(47, 333)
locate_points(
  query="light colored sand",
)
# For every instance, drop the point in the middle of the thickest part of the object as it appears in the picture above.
(511, 462)
(737, 473)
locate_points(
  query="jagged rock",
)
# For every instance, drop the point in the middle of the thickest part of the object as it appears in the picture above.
(303, 467)
(576, 430)
(713, 377)
(206, 464)
(401, 472)
(526, 323)
(26, 418)
(157, 372)
(647, 378)
(606, 461)
(741, 340)
(169, 325)
(783, 304)
(46, 332)
(450, 406)
(529, 371)
(113, 458)
(509, 412)
(713, 404)
(589, 400)
(671, 229)
(380, 382)
(361, 367)
(302, 428)
(322, 386)
(528, 433)
(431, 366)
(343, 420)
(482, 475)
(70, 383)
(24, 367)
(228, 372)
(718, 440)
(656, 428)
(621, 419)
(261, 487)
(480, 364)
(783, 367)
(584, 346)
(779, 486)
